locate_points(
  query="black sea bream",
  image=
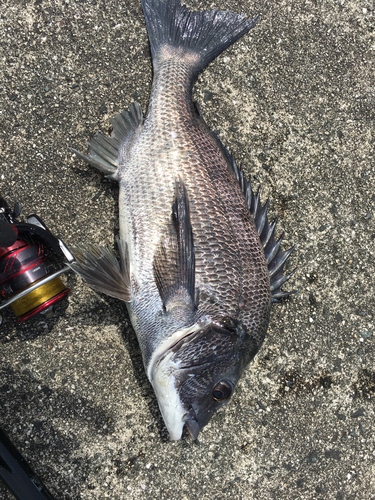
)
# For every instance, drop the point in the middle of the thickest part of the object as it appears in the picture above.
(200, 265)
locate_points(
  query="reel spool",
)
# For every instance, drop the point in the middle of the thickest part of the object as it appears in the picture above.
(28, 280)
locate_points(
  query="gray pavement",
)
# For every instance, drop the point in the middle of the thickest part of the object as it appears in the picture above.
(294, 101)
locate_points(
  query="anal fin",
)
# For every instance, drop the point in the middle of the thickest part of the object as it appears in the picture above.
(174, 261)
(103, 150)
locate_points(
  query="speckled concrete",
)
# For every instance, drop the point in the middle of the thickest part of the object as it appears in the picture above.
(294, 101)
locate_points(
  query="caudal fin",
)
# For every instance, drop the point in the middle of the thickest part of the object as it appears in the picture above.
(207, 32)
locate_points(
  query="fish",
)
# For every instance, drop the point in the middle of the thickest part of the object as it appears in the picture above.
(200, 265)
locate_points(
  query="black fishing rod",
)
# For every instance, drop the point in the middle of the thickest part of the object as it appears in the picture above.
(18, 475)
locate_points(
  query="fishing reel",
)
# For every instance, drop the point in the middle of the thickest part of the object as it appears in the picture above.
(29, 281)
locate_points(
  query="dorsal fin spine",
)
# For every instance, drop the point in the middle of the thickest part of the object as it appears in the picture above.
(274, 257)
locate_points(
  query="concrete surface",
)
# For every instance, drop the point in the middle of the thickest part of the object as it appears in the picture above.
(294, 100)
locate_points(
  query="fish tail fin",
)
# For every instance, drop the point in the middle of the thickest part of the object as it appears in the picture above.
(206, 33)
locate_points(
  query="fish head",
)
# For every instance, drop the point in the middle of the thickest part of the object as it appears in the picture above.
(196, 375)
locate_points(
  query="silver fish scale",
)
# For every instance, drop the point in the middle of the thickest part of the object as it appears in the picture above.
(231, 271)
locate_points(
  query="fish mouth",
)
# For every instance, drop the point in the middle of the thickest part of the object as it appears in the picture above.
(191, 424)
(162, 372)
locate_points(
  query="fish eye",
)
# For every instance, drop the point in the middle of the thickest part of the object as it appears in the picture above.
(222, 391)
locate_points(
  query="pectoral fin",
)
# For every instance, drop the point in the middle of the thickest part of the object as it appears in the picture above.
(174, 261)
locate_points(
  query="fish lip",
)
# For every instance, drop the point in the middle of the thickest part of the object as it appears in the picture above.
(191, 424)
(175, 435)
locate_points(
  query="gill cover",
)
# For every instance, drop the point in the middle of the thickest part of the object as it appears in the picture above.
(195, 372)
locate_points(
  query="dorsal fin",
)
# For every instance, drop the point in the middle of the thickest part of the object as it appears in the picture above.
(103, 150)
(274, 256)
(174, 261)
